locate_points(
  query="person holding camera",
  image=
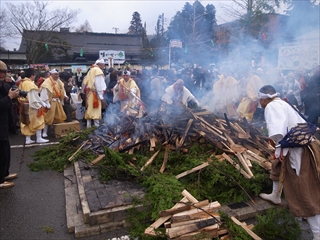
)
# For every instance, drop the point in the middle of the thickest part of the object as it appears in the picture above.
(6, 96)
(32, 113)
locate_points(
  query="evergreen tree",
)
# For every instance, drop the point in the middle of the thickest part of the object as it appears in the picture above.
(159, 45)
(136, 24)
(303, 16)
(194, 26)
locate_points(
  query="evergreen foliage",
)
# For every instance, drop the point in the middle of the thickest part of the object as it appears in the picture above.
(235, 231)
(55, 157)
(277, 223)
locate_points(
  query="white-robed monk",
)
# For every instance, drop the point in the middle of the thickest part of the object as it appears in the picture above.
(299, 165)
(52, 93)
(178, 94)
(36, 111)
(94, 87)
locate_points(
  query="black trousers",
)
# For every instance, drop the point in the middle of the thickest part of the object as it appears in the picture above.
(4, 159)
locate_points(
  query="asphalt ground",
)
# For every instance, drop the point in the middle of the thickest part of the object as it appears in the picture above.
(35, 207)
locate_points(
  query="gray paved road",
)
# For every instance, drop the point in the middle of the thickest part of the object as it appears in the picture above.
(36, 203)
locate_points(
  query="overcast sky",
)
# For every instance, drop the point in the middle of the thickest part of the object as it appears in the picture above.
(108, 15)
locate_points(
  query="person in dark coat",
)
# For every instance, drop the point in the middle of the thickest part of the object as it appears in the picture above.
(66, 78)
(312, 97)
(6, 96)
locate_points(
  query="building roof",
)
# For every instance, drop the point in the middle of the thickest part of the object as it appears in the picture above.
(91, 43)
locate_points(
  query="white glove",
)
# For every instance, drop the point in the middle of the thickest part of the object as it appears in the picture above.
(44, 104)
(48, 105)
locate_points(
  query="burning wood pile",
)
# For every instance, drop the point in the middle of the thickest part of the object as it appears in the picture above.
(191, 219)
(177, 131)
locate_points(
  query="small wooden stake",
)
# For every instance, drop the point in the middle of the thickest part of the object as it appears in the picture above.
(74, 154)
(150, 160)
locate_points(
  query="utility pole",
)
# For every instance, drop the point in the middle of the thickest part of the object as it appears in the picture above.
(115, 30)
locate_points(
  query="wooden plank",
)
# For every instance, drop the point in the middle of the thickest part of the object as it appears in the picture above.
(199, 215)
(183, 208)
(252, 234)
(150, 230)
(187, 215)
(207, 232)
(244, 173)
(266, 164)
(191, 198)
(244, 164)
(244, 155)
(201, 166)
(178, 231)
(196, 219)
(165, 158)
(150, 160)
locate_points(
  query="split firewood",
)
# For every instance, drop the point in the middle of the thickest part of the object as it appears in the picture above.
(195, 218)
(209, 129)
(256, 156)
(178, 231)
(240, 128)
(244, 173)
(244, 155)
(252, 234)
(98, 159)
(188, 215)
(165, 159)
(131, 164)
(150, 160)
(74, 154)
(265, 164)
(151, 229)
(207, 232)
(185, 134)
(244, 164)
(201, 166)
(225, 237)
(171, 211)
(188, 195)
(152, 143)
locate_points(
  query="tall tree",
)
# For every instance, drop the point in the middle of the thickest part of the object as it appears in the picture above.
(85, 27)
(136, 26)
(303, 16)
(36, 16)
(5, 30)
(251, 13)
(158, 44)
(194, 26)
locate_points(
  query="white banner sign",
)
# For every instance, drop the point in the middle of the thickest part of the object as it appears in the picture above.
(174, 43)
(117, 56)
(293, 57)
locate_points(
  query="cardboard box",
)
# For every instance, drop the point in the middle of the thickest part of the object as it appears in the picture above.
(62, 129)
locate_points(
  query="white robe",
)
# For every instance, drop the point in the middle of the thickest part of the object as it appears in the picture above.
(280, 118)
(186, 96)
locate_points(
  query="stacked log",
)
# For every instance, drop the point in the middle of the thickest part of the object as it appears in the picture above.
(191, 219)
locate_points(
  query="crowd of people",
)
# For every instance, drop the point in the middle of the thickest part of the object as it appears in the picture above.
(33, 103)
